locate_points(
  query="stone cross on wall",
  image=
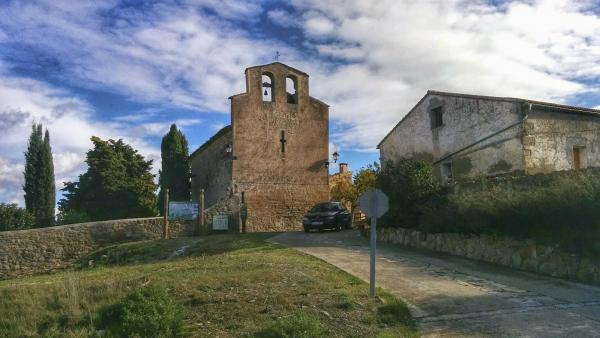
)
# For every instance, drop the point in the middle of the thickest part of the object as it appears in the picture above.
(283, 141)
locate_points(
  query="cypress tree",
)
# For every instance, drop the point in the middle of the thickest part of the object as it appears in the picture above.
(39, 178)
(175, 172)
(49, 188)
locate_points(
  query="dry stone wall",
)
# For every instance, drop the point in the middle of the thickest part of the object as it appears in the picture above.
(523, 255)
(26, 252)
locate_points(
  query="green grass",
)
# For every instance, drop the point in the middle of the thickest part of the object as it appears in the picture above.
(229, 286)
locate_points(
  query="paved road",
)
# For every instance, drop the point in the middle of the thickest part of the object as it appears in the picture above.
(454, 297)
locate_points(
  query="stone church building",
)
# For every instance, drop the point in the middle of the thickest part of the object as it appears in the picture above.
(275, 152)
(468, 136)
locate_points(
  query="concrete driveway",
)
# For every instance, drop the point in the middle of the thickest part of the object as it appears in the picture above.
(454, 297)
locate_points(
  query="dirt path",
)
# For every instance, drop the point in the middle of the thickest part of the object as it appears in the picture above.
(454, 297)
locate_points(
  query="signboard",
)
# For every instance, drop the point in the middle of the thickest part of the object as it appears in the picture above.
(374, 203)
(183, 210)
(220, 222)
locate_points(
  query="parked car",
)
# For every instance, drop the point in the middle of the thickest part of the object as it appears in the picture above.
(327, 215)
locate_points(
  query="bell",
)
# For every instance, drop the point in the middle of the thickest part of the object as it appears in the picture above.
(266, 93)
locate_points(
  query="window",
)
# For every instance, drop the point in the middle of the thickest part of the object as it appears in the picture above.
(267, 87)
(436, 117)
(578, 157)
(290, 89)
(446, 172)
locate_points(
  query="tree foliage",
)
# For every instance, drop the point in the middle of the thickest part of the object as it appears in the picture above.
(175, 171)
(39, 187)
(117, 184)
(349, 192)
(12, 217)
(410, 186)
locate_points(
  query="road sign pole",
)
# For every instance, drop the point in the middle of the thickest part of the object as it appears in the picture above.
(373, 250)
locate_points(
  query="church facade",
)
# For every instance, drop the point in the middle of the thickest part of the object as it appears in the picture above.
(274, 152)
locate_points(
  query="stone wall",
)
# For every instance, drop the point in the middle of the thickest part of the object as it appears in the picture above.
(466, 120)
(211, 168)
(549, 139)
(523, 255)
(26, 252)
(280, 149)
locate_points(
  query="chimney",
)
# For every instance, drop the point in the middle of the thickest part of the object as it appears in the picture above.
(343, 168)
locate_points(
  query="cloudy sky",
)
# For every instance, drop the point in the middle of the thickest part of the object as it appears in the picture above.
(125, 69)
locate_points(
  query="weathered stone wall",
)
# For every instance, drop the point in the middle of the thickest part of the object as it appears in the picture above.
(499, 250)
(227, 206)
(211, 167)
(26, 252)
(549, 139)
(279, 185)
(466, 120)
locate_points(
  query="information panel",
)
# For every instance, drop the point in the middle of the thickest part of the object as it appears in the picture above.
(183, 210)
(220, 222)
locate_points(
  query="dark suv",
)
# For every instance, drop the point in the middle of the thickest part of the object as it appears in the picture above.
(328, 215)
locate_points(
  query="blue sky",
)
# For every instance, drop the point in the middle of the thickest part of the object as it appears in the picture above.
(128, 69)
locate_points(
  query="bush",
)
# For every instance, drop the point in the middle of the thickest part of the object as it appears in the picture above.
(72, 217)
(559, 209)
(298, 325)
(394, 313)
(410, 185)
(146, 312)
(12, 217)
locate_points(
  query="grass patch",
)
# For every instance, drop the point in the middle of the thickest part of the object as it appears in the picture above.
(228, 285)
(297, 325)
(393, 312)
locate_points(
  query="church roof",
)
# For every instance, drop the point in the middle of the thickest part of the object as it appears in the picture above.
(211, 140)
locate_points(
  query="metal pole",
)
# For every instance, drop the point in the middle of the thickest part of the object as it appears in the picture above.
(201, 211)
(373, 249)
(166, 215)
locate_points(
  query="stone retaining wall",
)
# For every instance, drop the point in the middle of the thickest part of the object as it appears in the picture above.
(26, 252)
(523, 255)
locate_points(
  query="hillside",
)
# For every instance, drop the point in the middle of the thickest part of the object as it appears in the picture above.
(228, 286)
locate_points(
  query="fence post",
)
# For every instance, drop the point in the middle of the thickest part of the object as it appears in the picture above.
(201, 211)
(166, 215)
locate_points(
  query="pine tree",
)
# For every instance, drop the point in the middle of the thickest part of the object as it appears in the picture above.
(39, 178)
(175, 172)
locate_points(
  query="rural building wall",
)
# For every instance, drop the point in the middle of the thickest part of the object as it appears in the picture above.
(551, 137)
(211, 165)
(26, 252)
(279, 186)
(466, 120)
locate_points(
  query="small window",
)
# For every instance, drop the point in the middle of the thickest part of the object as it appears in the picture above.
(290, 89)
(267, 87)
(578, 156)
(446, 171)
(437, 117)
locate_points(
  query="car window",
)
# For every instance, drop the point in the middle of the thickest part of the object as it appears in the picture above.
(323, 207)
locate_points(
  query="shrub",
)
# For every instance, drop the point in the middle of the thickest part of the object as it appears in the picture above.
(146, 312)
(12, 217)
(410, 185)
(72, 217)
(298, 325)
(393, 313)
(559, 209)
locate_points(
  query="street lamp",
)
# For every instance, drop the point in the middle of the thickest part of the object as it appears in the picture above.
(335, 157)
(228, 148)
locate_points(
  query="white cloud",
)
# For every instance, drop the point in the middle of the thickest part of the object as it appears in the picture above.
(283, 18)
(394, 51)
(70, 123)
